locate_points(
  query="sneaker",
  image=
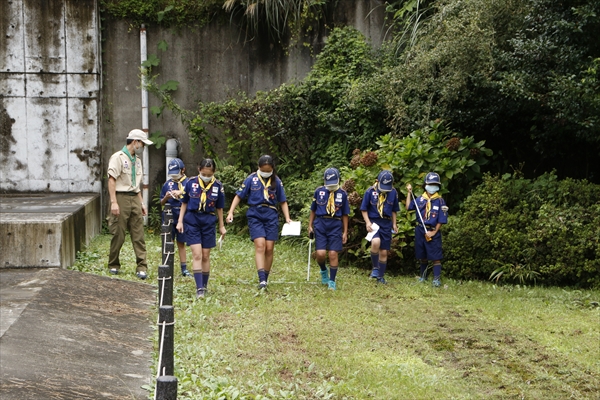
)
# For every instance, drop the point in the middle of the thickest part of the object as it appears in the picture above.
(141, 274)
(374, 274)
(200, 293)
(186, 273)
(262, 285)
(436, 282)
(331, 285)
(325, 277)
(114, 271)
(422, 280)
(381, 281)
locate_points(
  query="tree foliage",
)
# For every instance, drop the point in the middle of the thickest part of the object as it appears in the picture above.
(523, 75)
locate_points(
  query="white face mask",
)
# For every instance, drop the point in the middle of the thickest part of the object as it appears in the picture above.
(431, 189)
(139, 151)
(175, 177)
(265, 174)
(205, 179)
(332, 188)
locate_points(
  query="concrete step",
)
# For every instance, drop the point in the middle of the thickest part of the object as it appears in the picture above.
(46, 230)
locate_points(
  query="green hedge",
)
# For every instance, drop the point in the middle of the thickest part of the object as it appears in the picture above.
(544, 230)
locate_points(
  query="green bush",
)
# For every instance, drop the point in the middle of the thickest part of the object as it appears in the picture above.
(542, 230)
(432, 148)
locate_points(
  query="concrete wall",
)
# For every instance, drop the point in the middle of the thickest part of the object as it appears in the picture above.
(211, 64)
(47, 230)
(49, 96)
(63, 112)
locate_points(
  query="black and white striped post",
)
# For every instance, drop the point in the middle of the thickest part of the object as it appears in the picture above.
(166, 382)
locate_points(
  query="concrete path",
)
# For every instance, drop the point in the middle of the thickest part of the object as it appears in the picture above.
(71, 335)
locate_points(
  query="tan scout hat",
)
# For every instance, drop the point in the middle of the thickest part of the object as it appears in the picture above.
(138, 134)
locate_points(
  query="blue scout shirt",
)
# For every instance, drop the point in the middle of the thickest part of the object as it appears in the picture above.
(253, 190)
(215, 195)
(369, 203)
(172, 185)
(436, 213)
(321, 197)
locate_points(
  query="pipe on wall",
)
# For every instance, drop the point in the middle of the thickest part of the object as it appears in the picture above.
(172, 151)
(145, 157)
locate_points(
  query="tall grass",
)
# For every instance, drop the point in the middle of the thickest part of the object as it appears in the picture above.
(466, 340)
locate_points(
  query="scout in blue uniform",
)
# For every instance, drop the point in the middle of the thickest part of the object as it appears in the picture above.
(329, 213)
(201, 208)
(434, 212)
(172, 193)
(380, 205)
(262, 190)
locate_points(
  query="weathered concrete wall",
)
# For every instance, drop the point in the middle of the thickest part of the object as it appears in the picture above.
(49, 96)
(47, 230)
(211, 64)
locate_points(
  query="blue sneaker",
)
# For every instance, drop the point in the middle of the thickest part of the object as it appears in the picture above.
(325, 277)
(186, 273)
(422, 280)
(381, 281)
(436, 282)
(200, 292)
(374, 274)
(331, 285)
(262, 285)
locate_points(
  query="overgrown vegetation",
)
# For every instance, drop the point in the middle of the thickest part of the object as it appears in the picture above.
(278, 19)
(543, 230)
(467, 340)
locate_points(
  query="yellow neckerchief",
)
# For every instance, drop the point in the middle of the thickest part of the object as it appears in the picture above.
(204, 190)
(132, 159)
(429, 197)
(265, 186)
(381, 202)
(331, 201)
(180, 186)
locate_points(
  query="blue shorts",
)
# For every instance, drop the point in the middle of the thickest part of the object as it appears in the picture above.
(263, 222)
(431, 250)
(384, 233)
(200, 228)
(328, 234)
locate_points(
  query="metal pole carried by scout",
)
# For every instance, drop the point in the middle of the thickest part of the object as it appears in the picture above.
(311, 235)
(427, 238)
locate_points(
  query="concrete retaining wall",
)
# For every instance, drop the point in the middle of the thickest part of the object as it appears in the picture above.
(210, 64)
(49, 96)
(47, 230)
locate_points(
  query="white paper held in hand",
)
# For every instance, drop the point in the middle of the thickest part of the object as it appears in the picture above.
(291, 229)
(374, 228)
(220, 241)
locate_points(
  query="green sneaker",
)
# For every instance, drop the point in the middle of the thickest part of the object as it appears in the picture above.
(325, 277)
(331, 285)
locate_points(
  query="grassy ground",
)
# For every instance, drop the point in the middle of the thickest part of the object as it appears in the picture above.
(466, 340)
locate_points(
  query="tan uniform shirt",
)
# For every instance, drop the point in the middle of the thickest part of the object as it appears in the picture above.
(119, 167)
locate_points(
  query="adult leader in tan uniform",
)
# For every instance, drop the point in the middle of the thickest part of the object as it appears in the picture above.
(127, 208)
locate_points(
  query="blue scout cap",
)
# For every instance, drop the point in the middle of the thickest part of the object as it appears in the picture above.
(386, 180)
(175, 166)
(332, 176)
